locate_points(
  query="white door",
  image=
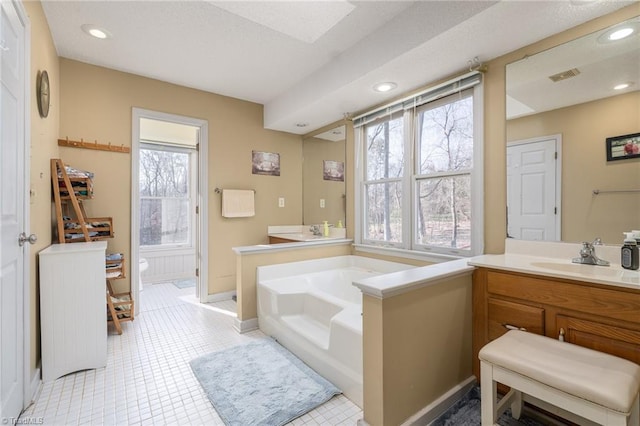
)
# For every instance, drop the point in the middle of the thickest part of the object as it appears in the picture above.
(533, 208)
(12, 209)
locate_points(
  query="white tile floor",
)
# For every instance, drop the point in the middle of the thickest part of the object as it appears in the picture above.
(148, 380)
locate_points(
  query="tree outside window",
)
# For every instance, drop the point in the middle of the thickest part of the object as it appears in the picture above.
(384, 170)
(445, 146)
(165, 203)
(417, 185)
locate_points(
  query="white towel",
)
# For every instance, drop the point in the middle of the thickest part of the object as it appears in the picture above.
(238, 203)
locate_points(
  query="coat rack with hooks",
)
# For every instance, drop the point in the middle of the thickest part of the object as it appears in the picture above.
(94, 145)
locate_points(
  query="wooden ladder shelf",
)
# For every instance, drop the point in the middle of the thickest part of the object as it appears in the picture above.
(120, 306)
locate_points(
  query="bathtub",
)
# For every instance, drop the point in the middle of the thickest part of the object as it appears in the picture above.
(312, 309)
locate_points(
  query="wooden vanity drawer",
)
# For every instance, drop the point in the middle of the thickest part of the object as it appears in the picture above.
(502, 313)
(619, 303)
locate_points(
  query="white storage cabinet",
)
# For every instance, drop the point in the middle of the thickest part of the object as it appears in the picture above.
(73, 317)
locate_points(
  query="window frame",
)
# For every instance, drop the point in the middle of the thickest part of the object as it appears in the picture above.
(191, 198)
(409, 247)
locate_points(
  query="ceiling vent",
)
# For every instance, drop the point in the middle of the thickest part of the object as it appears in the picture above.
(564, 75)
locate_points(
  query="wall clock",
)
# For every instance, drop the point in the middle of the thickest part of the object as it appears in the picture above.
(42, 87)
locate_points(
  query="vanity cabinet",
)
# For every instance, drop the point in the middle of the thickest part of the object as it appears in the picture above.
(601, 317)
(278, 240)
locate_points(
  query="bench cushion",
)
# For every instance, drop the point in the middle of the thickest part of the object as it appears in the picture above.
(603, 379)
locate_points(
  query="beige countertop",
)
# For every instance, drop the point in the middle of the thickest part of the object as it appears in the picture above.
(554, 260)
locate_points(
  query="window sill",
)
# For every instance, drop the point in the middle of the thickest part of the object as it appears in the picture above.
(407, 254)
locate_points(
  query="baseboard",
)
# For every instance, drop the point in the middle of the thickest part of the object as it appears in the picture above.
(220, 297)
(34, 386)
(432, 411)
(246, 325)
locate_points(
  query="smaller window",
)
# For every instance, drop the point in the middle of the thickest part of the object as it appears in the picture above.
(383, 188)
(165, 196)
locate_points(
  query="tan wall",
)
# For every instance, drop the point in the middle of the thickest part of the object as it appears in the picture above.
(423, 351)
(495, 123)
(584, 129)
(314, 152)
(43, 146)
(247, 263)
(97, 105)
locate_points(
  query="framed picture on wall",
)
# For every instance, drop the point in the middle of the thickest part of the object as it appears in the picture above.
(333, 170)
(265, 163)
(623, 147)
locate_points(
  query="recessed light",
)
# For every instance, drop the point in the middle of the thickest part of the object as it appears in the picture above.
(385, 87)
(621, 33)
(622, 86)
(95, 31)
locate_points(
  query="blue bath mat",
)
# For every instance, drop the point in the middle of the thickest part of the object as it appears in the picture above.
(466, 412)
(191, 282)
(260, 383)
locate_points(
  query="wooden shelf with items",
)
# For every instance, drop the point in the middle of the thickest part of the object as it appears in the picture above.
(82, 187)
(78, 228)
(120, 306)
(115, 266)
(99, 228)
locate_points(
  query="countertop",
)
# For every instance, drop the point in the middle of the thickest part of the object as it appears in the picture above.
(302, 233)
(560, 266)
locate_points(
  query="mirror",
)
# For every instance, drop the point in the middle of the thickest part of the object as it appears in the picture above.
(563, 100)
(323, 175)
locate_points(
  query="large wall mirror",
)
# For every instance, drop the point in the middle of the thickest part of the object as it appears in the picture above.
(323, 174)
(569, 100)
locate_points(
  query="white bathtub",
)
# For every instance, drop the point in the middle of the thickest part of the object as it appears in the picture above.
(312, 309)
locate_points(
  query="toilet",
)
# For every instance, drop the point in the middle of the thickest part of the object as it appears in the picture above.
(142, 266)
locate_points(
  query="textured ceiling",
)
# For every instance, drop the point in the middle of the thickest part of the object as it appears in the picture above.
(306, 61)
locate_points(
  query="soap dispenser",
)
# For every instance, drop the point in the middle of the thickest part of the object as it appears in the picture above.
(630, 258)
(326, 230)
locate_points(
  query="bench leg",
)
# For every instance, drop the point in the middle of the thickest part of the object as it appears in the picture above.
(634, 418)
(488, 395)
(516, 405)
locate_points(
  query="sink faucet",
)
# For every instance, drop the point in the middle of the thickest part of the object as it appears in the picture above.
(588, 254)
(315, 229)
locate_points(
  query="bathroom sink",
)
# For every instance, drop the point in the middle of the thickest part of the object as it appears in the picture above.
(575, 268)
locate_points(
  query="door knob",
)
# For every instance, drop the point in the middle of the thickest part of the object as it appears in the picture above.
(23, 239)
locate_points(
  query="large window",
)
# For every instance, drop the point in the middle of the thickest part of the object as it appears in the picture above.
(165, 196)
(420, 178)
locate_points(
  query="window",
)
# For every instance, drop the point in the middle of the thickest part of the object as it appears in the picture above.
(420, 179)
(165, 196)
(383, 185)
(443, 173)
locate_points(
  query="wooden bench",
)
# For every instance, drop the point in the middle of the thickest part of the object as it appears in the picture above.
(571, 381)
